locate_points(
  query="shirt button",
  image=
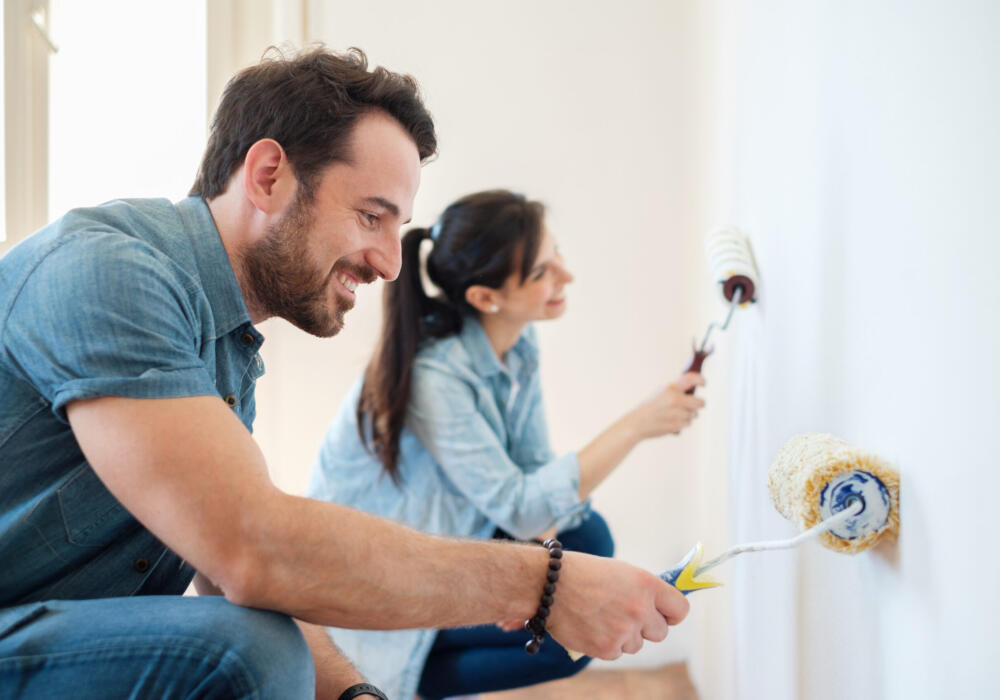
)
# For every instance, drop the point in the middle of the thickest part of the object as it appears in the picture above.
(141, 565)
(246, 339)
(231, 401)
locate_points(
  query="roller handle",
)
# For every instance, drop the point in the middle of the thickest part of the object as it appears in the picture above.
(672, 576)
(744, 284)
(695, 366)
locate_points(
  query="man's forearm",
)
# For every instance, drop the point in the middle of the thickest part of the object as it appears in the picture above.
(189, 471)
(334, 673)
(334, 565)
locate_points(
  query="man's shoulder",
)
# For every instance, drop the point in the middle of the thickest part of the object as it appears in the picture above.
(115, 247)
(154, 222)
(151, 221)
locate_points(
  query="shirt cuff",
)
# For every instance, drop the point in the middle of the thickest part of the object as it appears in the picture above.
(152, 384)
(560, 483)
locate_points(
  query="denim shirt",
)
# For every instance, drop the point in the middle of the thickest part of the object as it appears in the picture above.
(132, 298)
(474, 455)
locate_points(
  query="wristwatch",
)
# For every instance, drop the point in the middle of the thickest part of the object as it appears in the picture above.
(362, 689)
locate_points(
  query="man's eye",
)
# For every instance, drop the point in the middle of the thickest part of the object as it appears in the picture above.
(370, 219)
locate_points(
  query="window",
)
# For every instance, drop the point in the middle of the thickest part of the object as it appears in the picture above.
(127, 100)
(118, 110)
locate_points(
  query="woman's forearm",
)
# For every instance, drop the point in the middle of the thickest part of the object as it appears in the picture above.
(605, 452)
(668, 411)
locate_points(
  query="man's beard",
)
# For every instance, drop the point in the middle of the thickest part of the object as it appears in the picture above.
(279, 282)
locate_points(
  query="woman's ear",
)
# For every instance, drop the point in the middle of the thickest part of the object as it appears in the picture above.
(483, 299)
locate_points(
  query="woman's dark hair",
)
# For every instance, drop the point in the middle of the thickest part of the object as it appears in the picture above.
(308, 103)
(477, 241)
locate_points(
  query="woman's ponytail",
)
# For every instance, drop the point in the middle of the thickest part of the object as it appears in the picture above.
(477, 240)
(408, 317)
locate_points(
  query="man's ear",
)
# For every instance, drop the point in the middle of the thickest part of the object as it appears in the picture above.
(268, 179)
(483, 299)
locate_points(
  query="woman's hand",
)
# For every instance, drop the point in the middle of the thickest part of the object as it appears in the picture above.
(511, 625)
(670, 410)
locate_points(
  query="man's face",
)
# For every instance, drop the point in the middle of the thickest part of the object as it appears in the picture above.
(307, 267)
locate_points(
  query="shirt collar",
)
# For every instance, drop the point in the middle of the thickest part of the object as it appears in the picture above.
(485, 360)
(214, 269)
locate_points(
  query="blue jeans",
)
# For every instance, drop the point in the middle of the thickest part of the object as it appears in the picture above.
(151, 647)
(485, 659)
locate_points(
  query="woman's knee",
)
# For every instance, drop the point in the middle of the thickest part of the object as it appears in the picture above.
(561, 664)
(591, 536)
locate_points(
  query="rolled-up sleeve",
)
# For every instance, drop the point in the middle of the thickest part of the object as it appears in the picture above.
(445, 416)
(106, 315)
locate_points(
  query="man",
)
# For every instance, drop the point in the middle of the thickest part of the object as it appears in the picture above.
(128, 356)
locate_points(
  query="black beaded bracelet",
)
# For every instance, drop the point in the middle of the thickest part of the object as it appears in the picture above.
(536, 625)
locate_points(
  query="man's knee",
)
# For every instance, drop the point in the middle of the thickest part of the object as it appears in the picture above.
(156, 646)
(264, 651)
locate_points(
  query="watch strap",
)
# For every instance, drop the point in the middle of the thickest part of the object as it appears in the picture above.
(361, 689)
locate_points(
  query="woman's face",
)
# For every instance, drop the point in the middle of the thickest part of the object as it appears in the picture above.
(541, 296)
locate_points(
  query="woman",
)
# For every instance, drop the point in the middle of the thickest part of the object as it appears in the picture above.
(446, 433)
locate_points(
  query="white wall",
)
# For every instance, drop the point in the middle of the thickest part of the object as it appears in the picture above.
(588, 109)
(858, 147)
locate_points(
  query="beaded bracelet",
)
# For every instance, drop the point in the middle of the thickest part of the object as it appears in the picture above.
(536, 625)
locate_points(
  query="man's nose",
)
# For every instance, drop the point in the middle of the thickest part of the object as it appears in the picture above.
(386, 257)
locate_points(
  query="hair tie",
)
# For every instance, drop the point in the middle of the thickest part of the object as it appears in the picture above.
(435, 231)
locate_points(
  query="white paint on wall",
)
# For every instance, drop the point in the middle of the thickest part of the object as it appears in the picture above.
(858, 148)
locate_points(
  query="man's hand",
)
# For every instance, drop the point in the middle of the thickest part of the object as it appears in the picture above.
(605, 608)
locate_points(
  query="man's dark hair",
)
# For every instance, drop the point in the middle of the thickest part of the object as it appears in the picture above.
(309, 104)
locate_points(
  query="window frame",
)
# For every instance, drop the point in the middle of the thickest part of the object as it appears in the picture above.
(26, 96)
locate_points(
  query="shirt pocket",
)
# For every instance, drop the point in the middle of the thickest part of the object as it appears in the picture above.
(91, 516)
(10, 424)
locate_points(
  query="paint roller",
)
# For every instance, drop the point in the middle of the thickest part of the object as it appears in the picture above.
(732, 266)
(829, 489)
(846, 497)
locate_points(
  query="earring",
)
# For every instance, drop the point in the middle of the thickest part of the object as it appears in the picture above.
(494, 309)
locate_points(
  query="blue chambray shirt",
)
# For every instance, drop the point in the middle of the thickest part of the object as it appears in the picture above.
(132, 298)
(474, 456)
